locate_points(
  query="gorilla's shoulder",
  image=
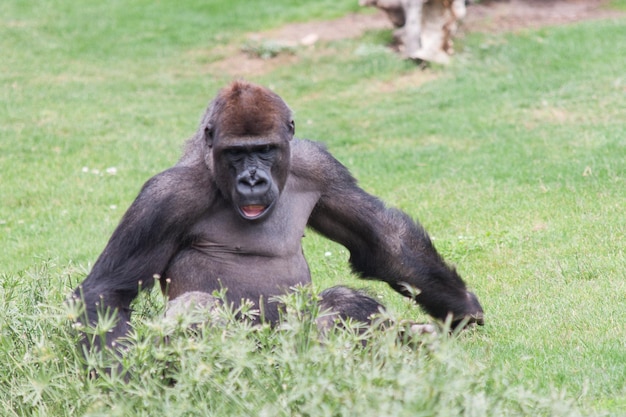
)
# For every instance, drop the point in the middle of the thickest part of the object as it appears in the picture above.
(312, 159)
(178, 180)
(307, 147)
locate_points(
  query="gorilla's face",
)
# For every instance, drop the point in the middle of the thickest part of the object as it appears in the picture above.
(254, 175)
(249, 135)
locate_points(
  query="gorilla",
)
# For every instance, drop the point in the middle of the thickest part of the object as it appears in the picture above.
(231, 214)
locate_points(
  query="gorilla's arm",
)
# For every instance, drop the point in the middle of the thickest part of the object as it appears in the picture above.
(386, 244)
(149, 234)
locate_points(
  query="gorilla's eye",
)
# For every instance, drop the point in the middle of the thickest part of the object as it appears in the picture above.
(266, 152)
(235, 153)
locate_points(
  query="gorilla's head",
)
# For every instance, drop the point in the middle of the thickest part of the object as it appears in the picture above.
(248, 131)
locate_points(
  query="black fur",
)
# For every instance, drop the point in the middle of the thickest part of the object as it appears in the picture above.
(233, 211)
(350, 303)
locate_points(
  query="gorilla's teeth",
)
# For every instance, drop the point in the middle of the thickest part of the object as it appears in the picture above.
(252, 211)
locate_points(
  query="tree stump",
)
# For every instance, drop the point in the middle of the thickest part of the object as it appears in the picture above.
(424, 27)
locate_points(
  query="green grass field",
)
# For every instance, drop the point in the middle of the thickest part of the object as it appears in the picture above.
(513, 157)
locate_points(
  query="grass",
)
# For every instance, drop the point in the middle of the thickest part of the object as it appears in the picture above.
(514, 159)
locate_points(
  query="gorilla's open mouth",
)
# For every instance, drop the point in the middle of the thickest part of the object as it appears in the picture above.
(253, 211)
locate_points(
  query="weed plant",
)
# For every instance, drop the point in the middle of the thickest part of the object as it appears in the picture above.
(229, 367)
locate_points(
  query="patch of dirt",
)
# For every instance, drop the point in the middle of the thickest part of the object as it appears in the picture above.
(242, 65)
(297, 35)
(308, 33)
(490, 16)
(514, 15)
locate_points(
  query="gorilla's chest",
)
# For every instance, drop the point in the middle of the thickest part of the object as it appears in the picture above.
(223, 231)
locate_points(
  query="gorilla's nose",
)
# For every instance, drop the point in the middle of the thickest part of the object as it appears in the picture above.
(253, 182)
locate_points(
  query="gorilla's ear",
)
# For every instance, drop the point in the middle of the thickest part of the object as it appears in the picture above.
(207, 125)
(208, 135)
(292, 127)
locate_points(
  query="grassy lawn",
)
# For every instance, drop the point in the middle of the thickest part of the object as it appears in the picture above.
(514, 159)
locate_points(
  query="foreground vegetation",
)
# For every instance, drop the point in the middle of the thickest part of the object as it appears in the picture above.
(514, 159)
